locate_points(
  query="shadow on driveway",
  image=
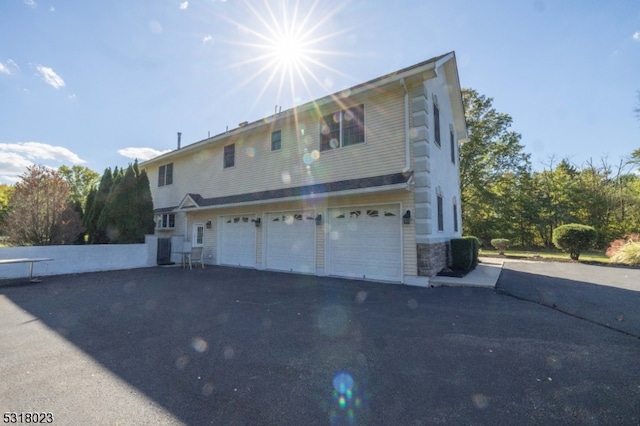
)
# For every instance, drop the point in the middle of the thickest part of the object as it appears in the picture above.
(245, 347)
(604, 295)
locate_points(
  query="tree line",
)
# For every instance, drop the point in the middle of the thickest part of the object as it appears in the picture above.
(76, 206)
(502, 197)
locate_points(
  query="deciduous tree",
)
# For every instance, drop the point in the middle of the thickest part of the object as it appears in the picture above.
(41, 212)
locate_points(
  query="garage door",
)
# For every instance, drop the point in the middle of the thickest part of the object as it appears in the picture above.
(365, 242)
(237, 240)
(291, 241)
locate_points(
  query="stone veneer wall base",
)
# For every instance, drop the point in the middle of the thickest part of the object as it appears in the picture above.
(432, 258)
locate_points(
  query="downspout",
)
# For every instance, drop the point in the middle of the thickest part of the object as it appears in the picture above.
(407, 154)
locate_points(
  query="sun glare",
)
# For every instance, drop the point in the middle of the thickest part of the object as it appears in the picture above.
(286, 44)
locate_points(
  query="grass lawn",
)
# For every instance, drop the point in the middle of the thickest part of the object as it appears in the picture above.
(546, 254)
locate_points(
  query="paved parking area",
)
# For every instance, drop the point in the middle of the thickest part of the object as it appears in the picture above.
(245, 347)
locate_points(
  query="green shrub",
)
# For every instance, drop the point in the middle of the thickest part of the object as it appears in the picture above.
(628, 253)
(574, 238)
(500, 244)
(462, 253)
(476, 248)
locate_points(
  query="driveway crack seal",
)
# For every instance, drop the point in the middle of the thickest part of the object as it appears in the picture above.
(556, 308)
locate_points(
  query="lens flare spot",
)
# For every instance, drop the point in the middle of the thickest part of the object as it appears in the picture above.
(182, 362)
(288, 219)
(333, 143)
(315, 155)
(286, 178)
(199, 344)
(307, 159)
(343, 383)
(481, 401)
(342, 402)
(412, 303)
(207, 389)
(334, 235)
(361, 296)
(251, 152)
(332, 320)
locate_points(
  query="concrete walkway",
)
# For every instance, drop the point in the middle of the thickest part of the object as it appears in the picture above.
(484, 275)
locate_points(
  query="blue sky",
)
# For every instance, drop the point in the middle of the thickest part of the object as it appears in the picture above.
(100, 83)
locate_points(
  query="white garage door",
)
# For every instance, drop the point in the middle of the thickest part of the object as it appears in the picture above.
(237, 240)
(365, 242)
(291, 241)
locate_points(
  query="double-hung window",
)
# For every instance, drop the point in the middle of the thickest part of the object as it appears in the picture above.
(342, 128)
(229, 156)
(165, 174)
(276, 140)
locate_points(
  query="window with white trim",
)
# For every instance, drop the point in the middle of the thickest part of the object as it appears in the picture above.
(276, 140)
(165, 174)
(166, 221)
(198, 234)
(229, 156)
(342, 128)
(436, 123)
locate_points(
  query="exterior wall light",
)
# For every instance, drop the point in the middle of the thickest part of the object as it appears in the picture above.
(319, 220)
(406, 218)
(257, 222)
(208, 224)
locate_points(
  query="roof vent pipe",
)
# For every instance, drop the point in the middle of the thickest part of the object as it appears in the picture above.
(179, 137)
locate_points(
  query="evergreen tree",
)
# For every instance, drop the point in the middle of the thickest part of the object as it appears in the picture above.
(98, 199)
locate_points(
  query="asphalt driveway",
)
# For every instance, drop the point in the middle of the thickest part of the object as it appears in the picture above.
(244, 347)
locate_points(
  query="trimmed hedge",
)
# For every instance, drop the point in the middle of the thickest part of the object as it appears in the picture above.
(574, 238)
(464, 253)
(500, 244)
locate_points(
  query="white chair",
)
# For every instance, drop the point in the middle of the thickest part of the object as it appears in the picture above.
(195, 257)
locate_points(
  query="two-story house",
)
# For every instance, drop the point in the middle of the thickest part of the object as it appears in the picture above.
(363, 183)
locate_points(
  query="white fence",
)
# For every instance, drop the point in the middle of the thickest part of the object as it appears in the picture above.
(79, 258)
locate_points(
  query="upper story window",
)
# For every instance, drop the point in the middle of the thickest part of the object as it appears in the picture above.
(276, 140)
(165, 174)
(229, 156)
(453, 145)
(342, 128)
(436, 123)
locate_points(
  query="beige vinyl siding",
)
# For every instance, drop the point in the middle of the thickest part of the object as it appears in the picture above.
(299, 162)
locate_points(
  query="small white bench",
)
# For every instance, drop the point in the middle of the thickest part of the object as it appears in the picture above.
(30, 261)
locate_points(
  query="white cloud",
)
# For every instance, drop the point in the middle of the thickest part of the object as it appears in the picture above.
(184, 5)
(30, 3)
(50, 77)
(208, 38)
(9, 68)
(141, 154)
(636, 35)
(15, 157)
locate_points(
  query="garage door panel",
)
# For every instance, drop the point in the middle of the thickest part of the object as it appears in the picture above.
(365, 242)
(238, 240)
(290, 241)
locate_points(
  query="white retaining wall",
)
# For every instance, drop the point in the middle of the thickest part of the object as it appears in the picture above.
(71, 259)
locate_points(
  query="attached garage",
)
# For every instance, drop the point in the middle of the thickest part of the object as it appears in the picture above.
(237, 240)
(365, 242)
(290, 241)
